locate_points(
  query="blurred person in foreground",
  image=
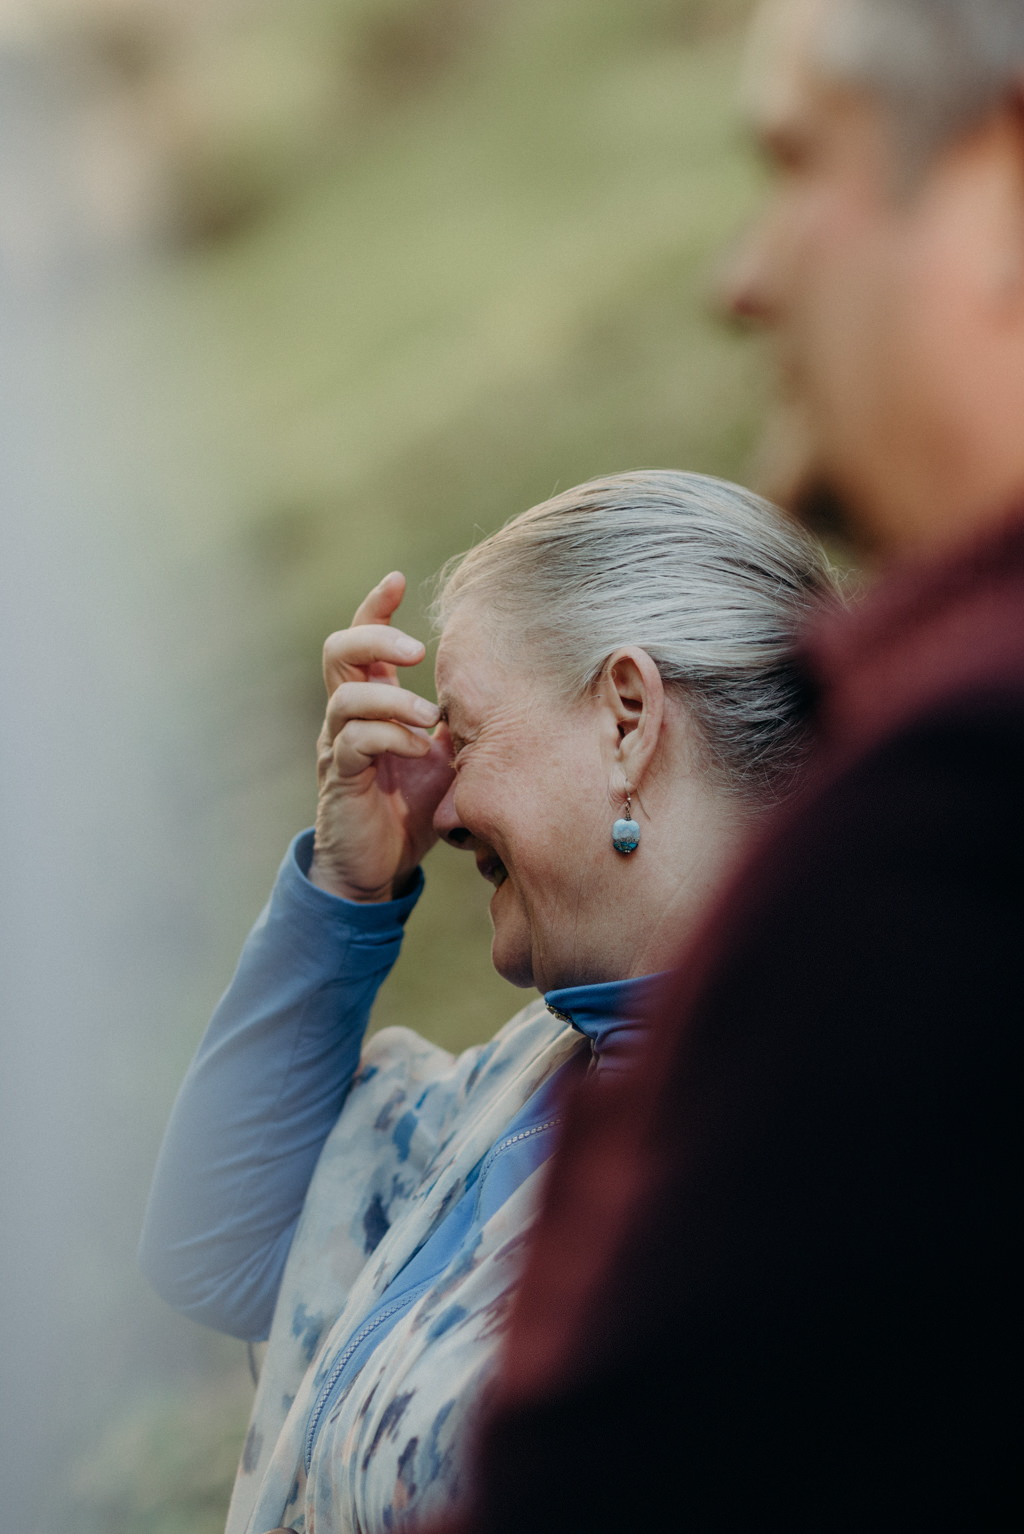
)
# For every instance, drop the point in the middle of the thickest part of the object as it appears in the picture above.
(624, 650)
(775, 1282)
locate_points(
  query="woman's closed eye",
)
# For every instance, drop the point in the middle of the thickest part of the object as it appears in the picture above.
(455, 742)
(457, 748)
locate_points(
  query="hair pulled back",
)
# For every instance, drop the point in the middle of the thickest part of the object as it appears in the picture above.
(708, 578)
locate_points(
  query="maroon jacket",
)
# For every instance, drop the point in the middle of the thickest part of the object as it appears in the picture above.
(775, 1283)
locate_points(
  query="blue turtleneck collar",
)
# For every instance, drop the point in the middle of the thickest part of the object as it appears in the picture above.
(614, 1015)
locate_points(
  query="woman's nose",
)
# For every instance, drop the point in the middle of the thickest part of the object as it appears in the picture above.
(447, 823)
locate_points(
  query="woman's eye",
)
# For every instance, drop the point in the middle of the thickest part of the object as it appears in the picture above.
(458, 746)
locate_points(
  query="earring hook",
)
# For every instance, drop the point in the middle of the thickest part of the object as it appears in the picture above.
(626, 832)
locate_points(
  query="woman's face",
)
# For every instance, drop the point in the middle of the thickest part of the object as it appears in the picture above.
(531, 800)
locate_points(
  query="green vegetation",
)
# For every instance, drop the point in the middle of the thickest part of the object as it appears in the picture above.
(482, 275)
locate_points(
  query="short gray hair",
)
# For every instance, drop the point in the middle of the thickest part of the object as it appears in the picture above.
(939, 67)
(708, 578)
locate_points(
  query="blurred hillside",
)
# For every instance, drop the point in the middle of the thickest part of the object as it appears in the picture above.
(381, 273)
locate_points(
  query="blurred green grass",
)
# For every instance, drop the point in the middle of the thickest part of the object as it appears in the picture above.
(490, 282)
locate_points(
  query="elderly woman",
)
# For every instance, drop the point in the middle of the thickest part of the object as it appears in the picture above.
(616, 709)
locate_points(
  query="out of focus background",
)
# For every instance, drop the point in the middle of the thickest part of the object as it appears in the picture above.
(290, 295)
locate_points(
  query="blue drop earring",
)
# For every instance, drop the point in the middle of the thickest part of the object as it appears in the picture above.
(626, 832)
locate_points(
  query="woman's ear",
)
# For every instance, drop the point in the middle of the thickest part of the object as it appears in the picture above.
(630, 688)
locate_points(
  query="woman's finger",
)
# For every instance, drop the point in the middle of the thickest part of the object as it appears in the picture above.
(378, 604)
(361, 741)
(366, 645)
(377, 700)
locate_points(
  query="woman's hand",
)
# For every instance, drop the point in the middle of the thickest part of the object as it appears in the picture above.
(381, 774)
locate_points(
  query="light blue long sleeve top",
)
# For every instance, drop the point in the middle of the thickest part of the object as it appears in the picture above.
(268, 1083)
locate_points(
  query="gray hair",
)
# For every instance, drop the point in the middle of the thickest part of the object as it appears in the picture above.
(939, 67)
(711, 580)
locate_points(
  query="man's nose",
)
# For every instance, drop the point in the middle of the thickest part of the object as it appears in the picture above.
(447, 823)
(741, 286)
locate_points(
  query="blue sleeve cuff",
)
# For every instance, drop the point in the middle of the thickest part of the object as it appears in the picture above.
(366, 921)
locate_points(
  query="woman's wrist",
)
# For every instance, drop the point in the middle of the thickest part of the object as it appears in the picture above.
(325, 877)
(329, 903)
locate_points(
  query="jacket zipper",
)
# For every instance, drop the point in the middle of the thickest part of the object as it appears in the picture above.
(504, 1145)
(407, 1299)
(336, 1373)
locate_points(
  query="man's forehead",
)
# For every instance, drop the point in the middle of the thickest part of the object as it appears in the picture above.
(779, 65)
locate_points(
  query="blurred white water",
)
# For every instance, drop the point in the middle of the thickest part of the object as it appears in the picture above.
(101, 778)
